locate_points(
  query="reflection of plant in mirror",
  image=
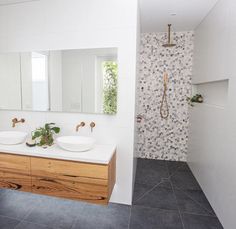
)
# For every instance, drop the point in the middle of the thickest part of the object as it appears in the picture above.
(110, 87)
(44, 135)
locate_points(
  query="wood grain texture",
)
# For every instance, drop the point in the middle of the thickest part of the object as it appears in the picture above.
(67, 170)
(111, 175)
(68, 179)
(72, 190)
(15, 163)
(15, 181)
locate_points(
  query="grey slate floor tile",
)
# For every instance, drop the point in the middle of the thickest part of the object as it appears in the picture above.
(185, 180)
(151, 172)
(56, 213)
(174, 166)
(199, 197)
(8, 223)
(28, 225)
(150, 218)
(140, 189)
(17, 204)
(201, 222)
(186, 204)
(113, 216)
(160, 197)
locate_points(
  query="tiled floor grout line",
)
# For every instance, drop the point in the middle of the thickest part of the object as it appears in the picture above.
(149, 191)
(171, 175)
(180, 215)
(130, 217)
(186, 193)
(190, 213)
(165, 209)
(18, 224)
(26, 215)
(40, 224)
(162, 180)
(10, 217)
(155, 208)
(196, 201)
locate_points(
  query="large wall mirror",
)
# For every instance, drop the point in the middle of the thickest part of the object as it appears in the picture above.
(82, 80)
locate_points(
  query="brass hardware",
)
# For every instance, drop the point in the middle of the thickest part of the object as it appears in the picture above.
(139, 118)
(169, 44)
(92, 125)
(15, 121)
(164, 102)
(82, 124)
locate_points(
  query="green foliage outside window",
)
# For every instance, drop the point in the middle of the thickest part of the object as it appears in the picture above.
(110, 72)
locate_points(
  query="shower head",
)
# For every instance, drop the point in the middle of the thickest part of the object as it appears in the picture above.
(169, 44)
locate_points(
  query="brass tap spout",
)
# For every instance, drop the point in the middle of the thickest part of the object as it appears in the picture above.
(15, 121)
(92, 125)
(79, 126)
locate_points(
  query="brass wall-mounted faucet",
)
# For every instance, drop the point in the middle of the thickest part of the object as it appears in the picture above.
(82, 124)
(15, 121)
(92, 125)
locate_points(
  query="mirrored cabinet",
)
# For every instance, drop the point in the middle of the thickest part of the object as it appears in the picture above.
(82, 80)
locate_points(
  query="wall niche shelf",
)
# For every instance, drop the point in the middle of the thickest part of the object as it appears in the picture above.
(215, 93)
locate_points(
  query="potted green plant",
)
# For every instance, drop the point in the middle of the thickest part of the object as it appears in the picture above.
(198, 98)
(44, 136)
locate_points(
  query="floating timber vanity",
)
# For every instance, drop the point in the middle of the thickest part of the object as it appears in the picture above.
(87, 176)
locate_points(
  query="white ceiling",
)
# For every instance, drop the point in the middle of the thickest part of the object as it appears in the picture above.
(156, 14)
(10, 2)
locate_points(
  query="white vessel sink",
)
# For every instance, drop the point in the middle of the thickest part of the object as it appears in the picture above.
(12, 137)
(76, 143)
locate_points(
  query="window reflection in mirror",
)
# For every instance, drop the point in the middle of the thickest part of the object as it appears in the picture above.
(107, 85)
(40, 93)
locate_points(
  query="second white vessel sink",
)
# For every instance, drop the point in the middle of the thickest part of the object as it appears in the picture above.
(76, 143)
(12, 137)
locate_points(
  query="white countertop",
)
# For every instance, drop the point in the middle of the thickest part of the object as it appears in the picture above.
(100, 154)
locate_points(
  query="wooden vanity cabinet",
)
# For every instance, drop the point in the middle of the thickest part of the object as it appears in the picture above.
(15, 172)
(68, 179)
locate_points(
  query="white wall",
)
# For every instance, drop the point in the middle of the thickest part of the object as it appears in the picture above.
(135, 156)
(74, 24)
(212, 156)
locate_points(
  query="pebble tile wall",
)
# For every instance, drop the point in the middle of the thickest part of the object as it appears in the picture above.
(159, 138)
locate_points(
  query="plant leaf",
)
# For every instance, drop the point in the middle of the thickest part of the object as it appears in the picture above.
(56, 129)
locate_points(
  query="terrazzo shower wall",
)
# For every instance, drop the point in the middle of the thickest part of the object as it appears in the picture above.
(164, 138)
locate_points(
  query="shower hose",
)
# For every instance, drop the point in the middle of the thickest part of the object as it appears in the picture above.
(164, 103)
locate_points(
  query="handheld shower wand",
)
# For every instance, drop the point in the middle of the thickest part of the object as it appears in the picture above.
(164, 112)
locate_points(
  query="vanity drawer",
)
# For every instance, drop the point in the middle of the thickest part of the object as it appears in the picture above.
(15, 181)
(72, 190)
(15, 163)
(67, 170)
